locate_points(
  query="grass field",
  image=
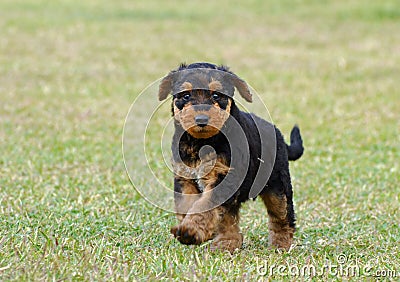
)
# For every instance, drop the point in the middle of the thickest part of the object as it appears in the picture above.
(69, 71)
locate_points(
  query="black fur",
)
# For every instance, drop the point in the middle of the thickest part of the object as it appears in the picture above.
(295, 150)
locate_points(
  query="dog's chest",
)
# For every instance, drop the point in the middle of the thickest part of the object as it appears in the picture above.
(204, 170)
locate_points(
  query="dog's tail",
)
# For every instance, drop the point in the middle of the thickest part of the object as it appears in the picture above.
(295, 150)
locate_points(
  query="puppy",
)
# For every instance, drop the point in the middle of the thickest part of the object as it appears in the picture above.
(222, 157)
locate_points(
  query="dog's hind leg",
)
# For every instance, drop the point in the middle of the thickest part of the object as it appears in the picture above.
(281, 219)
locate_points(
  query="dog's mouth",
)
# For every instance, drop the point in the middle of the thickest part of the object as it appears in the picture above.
(202, 131)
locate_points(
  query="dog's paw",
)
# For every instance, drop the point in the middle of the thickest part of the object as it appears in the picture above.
(187, 235)
(227, 244)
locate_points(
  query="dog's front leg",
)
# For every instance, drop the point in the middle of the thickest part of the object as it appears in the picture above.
(203, 218)
(186, 194)
(229, 237)
(201, 222)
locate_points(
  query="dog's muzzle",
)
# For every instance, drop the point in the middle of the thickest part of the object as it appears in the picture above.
(201, 120)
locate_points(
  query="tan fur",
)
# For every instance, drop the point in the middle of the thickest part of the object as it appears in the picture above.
(215, 85)
(229, 237)
(190, 194)
(228, 107)
(186, 118)
(200, 168)
(186, 86)
(201, 225)
(205, 172)
(165, 88)
(220, 168)
(243, 89)
(280, 233)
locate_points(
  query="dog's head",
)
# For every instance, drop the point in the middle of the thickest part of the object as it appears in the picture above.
(202, 97)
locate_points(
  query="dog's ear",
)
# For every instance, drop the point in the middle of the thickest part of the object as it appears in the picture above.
(243, 88)
(165, 87)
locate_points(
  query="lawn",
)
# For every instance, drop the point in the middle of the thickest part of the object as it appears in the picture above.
(69, 71)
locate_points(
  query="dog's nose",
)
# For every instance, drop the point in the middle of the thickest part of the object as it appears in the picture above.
(201, 120)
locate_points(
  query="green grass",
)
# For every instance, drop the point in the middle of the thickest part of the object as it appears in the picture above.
(69, 71)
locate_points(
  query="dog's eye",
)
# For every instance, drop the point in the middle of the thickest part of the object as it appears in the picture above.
(215, 96)
(186, 97)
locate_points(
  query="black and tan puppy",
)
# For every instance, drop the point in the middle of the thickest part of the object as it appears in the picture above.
(222, 157)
